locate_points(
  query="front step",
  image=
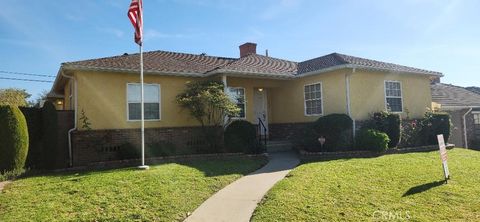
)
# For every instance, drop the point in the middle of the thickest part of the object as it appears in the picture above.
(279, 146)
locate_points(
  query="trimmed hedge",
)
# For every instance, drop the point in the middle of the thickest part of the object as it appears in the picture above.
(433, 124)
(337, 130)
(49, 136)
(240, 136)
(388, 123)
(371, 139)
(33, 116)
(14, 139)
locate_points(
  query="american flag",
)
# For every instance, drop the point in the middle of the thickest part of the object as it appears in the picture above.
(135, 16)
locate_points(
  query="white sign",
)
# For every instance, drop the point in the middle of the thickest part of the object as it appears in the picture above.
(443, 155)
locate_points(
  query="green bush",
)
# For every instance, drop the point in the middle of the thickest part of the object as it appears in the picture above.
(388, 123)
(240, 136)
(371, 139)
(337, 130)
(50, 136)
(127, 151)
(160, 149)
(433, 124)
(33, 116)
(14, 139)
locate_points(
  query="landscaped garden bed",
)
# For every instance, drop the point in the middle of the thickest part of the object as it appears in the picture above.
(166, 192)
(394, 187)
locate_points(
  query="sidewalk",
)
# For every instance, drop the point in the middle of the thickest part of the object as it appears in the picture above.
(237, 201)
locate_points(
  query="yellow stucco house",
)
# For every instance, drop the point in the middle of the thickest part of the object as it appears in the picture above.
(283, 94)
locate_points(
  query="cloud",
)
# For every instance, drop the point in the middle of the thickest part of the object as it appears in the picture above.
(113, 31)
(278, 8)
(154, 34)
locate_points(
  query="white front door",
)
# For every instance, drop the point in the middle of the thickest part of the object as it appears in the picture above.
(260, 107)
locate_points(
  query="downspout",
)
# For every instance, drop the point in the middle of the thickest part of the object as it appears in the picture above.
(347, 92)
(70, 156)
(465, 134)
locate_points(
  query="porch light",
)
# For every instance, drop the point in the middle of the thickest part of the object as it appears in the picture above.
(59, 102)
(260, 89)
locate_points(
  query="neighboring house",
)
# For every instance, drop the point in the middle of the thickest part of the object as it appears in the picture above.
(464, 108)
(283, 94)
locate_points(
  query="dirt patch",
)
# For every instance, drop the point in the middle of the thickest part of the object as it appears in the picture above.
(3, 184)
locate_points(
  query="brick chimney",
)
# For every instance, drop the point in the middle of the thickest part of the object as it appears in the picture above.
(247, 49)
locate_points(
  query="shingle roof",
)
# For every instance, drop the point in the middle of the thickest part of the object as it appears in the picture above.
(258, 64)
(336, 59)
(450, 95)
(156, 61)
(474, 89)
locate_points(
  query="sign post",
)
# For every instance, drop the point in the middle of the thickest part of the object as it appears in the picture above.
(443, 156)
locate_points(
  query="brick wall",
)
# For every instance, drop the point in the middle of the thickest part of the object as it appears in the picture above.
(104, 145)
(285, 131)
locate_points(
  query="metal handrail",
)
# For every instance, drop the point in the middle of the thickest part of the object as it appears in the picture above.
(259, 129)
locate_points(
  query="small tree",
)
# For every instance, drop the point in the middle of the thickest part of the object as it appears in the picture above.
(211, 107)
(13, 139)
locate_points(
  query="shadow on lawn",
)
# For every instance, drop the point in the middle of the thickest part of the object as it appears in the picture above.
(423, 188)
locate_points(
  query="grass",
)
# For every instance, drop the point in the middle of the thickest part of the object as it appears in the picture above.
(166, 192)
(389, 188)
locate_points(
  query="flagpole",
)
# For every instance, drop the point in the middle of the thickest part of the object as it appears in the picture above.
(143, 166)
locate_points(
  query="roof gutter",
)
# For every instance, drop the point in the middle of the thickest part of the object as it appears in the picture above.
(70, 156)
(132, 71)
(352, 66)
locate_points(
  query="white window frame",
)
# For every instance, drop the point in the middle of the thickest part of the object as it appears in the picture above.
(244, 101)
(159, 102)
(385, 95)
(305, 99)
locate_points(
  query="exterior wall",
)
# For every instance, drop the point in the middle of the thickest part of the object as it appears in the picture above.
(102, 96)
(67, 101)
(367, 93)
(287, 102)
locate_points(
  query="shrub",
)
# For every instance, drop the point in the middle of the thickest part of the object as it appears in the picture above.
(433, 124)
(50, 135)
(336, 128)
(14, 139)
(160, 149)
(127, 151)
(371, 139)
(388, 123)
(33, 116)
(410, 130)
(240, 136)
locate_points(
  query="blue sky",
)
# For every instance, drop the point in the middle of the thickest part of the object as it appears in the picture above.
(441, 35)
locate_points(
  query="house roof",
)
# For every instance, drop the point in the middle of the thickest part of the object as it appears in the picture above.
(454, 96)
(261, 65)
(474, 89)
(337, 59)
(200, 65)
(155, 62)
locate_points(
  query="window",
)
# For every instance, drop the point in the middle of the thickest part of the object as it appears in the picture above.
(476, 118)
(151, 101)
(313, 99)
(238, 97)
(393, 96)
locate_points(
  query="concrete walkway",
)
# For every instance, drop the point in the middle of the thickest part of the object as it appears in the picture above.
(237, 201)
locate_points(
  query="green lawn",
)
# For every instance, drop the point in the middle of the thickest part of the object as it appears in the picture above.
(166, 192)
(393, 187)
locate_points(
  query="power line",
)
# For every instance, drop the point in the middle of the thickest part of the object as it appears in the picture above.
(25, 74)
(27, 80)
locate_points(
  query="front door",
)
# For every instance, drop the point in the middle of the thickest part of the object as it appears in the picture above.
(260, 107)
